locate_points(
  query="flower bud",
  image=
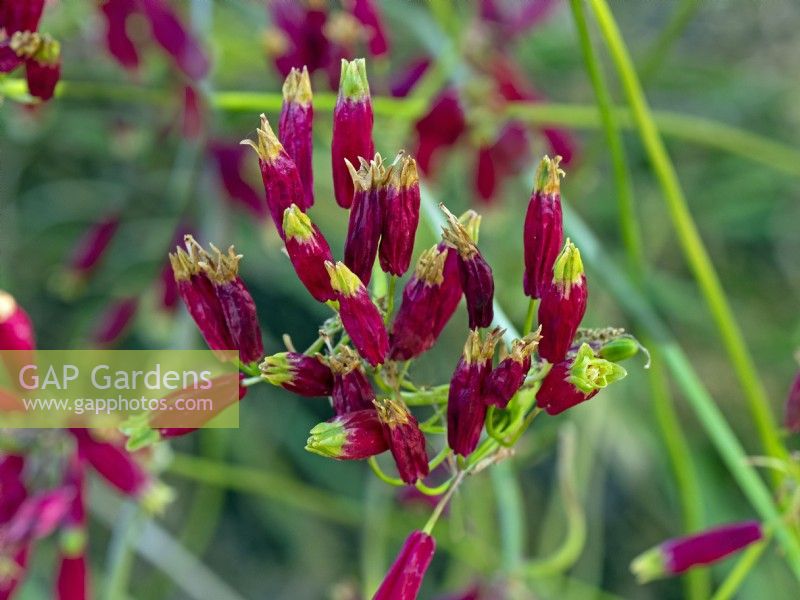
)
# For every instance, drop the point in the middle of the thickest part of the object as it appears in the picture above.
(543, 231)
(351, 389)
(366, 216)
(466, 406)
(678, 555)
(352, 128)
(575, 380)
(404, 578)
(72, 579)
(474, 271)
(237, 304)
(429, 299)
(360, 317)
(619, 349)
(298, 373)
(282, 184)
(507, 377)
(308, 250)
(400, 215)
(352, 436)
(43, 68)
(405, 439)
(197, 293)
(563, 305)
(294, 128)
(791, 418)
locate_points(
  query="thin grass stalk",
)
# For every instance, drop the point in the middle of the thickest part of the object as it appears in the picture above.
(697, 581)
(689, 237)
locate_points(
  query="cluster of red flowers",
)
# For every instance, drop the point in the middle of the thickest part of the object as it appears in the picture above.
(384, 203)
(42, 482)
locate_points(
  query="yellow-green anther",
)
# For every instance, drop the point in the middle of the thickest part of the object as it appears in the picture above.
(589, 372)
(343, 280)
(297, 224)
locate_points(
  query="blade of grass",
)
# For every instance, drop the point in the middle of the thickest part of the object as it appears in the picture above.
(697, 581)
(655, 55)
(691, 243)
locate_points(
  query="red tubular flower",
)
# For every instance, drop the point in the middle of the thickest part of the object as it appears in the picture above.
(16, 330)
(168, 289)
(476, 274)
(114, 321)
(791, 419)
(118, 42)
(282, 184)
(368, 14)
(308, 250)
(72, 580)
(294, 128)
(352, 436)
(298, 373)
(173, 37)
(678, 555)
(429, 299)
(466, 407)
(14, 492)
(576, 379)
(563, 304)
(361, 319)
(543, 234)
(403, 81)
(366, 216)
(16, 17)
(193, 120)
(404, 578)
(352, 128)
(236, 302)
(507, 377)
(351, 389)
(92, 246)
(440, 128)
(299, 36)
(506, 155)
(400, 215)
(197, 293)
(405, 439)
(229, 158)
(43, 69)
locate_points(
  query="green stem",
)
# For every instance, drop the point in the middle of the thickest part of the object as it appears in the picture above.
(437, 512)
(376, 468)
(697, 581)
(684, 375)
(121, 552)
(510, 514)
(655, 55)
(691, 242)
(744, 565)
(530, 316)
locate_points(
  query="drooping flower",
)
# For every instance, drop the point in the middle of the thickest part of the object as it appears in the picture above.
(678, 555)
(368, 14)
(563, 304)
(476, 274)
(466, 406)
(352, 128)
(440, 128)
(282, 185)
(298, 373)
(351, 436)
(351, 388)
(175, 39)
(429, 299)
(118, 42)
(366, 216)
(405, 439)
(791, 418)
(361, 319)
(507, 377)
(294, 128)
(404, 578)
(400, 210)
(229, 160)
(576, 379)
(217, 299)
(543, 233)
(309, 251)
(114, 321)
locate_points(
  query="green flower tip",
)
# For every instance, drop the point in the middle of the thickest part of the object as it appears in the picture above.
(276, 368)
(353, 83)
(548, 176)
(327, 439)
(589, 372)
(268, 146)
(72, 541)
(471, 221)
(297, 225)
(649, 565)
(343, 280)
(568, 268)
(156, 498)
(297, 87)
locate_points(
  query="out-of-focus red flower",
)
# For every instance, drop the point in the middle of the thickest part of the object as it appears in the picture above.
(509, 18)
(229, 159)
(92, 246)
(114, 321)
(368, 14)
(193, 121)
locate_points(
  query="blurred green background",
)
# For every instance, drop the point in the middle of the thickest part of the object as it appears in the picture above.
(264, 518)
